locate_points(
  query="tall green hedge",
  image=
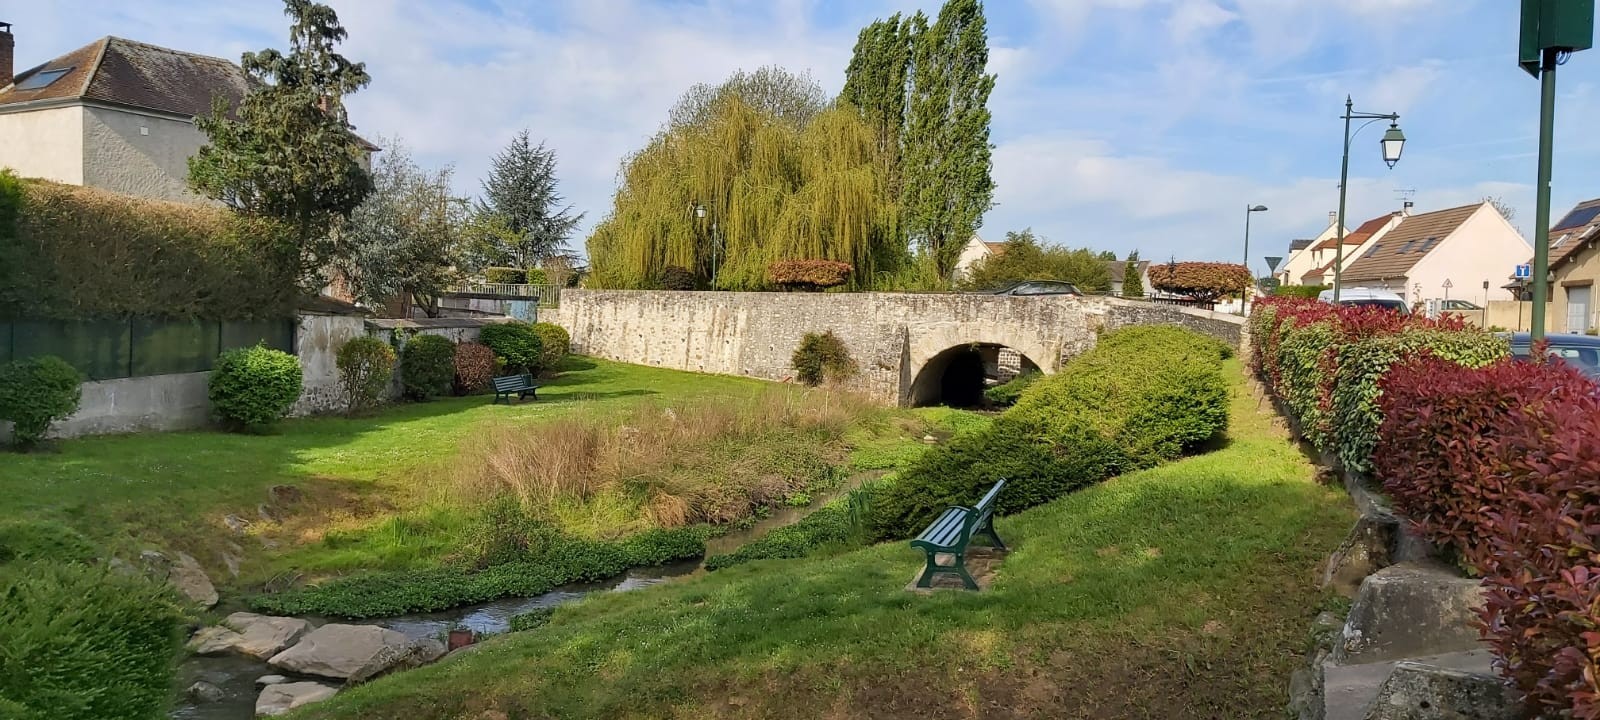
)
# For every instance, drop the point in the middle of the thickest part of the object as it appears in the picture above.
(1141, 396)
(75, 253)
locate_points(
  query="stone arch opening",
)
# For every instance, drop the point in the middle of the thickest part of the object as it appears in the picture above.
(957, 376)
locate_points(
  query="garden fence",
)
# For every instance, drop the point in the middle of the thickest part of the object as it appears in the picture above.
(137, 347)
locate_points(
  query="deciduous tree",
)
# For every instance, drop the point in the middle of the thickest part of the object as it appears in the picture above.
(1203, 281)
(1025, 258)
(405, 239)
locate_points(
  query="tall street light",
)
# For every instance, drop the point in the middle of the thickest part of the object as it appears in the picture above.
(1248, 211)
(1393, 142)
(700, 213)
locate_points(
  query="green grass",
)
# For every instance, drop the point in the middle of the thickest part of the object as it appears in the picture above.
(1182, 591)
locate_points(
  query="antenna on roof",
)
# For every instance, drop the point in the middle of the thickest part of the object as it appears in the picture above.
(1405, 195)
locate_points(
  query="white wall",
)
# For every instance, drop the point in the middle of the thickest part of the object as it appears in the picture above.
(139, 154)
(44, 143)
(1484, 247)
(974, 251)
(317, 342)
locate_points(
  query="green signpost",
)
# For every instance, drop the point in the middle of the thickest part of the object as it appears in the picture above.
(1551, 31)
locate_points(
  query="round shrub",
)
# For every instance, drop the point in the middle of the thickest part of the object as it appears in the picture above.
(510, 276)
(427, 367)
(366, 364)
(515, 342)
(537, 276)
(820, 357)
(554, 344)
(251, 388)
(82, 643)
(35, 393)
(674, 277)
(475, 367)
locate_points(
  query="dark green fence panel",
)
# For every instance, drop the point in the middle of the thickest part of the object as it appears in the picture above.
(165, 347)
(275, 334)
(98, 349)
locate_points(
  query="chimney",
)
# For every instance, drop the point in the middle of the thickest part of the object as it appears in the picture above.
(1406, 208)
(1333, 218)
(8, 47)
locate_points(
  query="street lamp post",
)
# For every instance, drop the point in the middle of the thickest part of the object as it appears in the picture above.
(1393, 142)
(1485, 322)
(700, 213)
(1248, 211)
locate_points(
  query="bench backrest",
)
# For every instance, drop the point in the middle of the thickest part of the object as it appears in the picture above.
(512, 382)
(984, 508)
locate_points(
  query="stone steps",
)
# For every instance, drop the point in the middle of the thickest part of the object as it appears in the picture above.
(1349, 690)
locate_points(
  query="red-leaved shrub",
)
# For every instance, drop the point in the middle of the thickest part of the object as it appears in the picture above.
(475, 367)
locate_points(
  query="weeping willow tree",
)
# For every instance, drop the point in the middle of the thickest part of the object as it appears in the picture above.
(774, 189)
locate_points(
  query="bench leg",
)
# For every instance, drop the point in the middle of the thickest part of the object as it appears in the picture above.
(926, 581)
(531, 394)
(988, 531)
(961, 569)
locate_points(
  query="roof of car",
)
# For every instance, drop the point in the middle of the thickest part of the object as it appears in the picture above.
(1562, 339)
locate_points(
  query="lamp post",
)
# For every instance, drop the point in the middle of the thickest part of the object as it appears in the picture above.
(1485, 322)
(700, 213)
(1393, 143)
(1248, 211)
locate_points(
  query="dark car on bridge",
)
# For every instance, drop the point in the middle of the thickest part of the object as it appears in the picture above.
(1039, 287)
(1580, 351)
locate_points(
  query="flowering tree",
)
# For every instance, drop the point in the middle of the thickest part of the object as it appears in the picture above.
(1204, 281)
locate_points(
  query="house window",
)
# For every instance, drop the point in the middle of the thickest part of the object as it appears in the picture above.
(42, 79)
(1373, 250)
(1560, 240)
(1426, 246)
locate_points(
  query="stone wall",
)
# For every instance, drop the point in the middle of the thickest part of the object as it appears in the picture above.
(317, 341)
(893, 337)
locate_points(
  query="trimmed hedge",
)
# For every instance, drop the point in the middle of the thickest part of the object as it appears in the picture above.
(515, 342)
(506, 275)
(35, 393)
(77, 253)
(674, 277)
(252, 388)
(82, 643)
(427, 367)
(366, 366)
(1141, 396)
(554, 344)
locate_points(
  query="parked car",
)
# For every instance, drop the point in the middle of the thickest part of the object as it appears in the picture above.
(1368, 297)
(1581, 351)
(1040, 287)
(1459, 305)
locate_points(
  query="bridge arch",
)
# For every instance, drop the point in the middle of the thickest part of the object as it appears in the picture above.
(947, 363)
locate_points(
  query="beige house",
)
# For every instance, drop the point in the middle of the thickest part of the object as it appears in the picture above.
(1301, 257)
(1325, 254)
(114, 114)
(976, 249)
(1442, 255)
(1575, 266)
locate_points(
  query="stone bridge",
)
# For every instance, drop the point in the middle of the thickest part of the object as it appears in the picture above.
(911, 348)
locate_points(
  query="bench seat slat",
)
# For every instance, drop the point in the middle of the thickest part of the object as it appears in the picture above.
(943, 529)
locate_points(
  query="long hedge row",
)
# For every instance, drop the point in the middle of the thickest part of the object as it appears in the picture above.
(1142, 396)
(76, 253)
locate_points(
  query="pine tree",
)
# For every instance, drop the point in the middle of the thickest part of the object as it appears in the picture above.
(288, 152)
(946, 163)
(1132, 284)
(520, 195)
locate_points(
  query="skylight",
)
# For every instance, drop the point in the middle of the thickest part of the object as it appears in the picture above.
(1426, 246)
(42, 79)
(1373, 250)
(1560, 240)
(1407, 247)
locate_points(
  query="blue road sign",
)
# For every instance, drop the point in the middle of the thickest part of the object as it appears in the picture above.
(1524, 271)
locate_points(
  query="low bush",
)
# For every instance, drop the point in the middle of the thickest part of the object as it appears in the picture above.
(81, 643)
(1006, 394)
(515, 342)
(35, 393)
(506, 275)
(536, 276)
(1141, 396)
(252, 388)
(366, 365)
(475, 367)
(552, 560)
(427, 367)
(532, 619)
(822, 357)
(673, 277)
(810, 275)
(42, 541)
(554, 345)
(840, 523)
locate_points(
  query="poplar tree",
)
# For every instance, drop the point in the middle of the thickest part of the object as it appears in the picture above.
(521, 199)
(945, 166)
(875, 83)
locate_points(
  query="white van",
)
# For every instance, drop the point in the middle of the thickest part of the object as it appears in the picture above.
(1368, 297)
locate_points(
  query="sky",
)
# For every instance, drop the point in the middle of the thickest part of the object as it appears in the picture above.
(1121, 125)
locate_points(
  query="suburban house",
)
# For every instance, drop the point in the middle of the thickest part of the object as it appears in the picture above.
(114, 114)
(1299, 258)
(1118, 269)
(1324, 254)
(975, 250)
(1442, 255)
(1574, 268)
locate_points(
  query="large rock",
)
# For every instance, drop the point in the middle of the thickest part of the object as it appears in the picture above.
(214, 640)
(1417, 691)
(346, 652)
(1351, 690)
(262, 636)
(281, 698)
(417, 654)
(1410, 609)
(1364, 551)
(184, 574)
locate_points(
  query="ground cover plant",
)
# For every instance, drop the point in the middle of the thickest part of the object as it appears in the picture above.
(1180, 591)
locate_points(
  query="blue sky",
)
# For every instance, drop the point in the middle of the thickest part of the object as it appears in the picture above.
(1119, 124)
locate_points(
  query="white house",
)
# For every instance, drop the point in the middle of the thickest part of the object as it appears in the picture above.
(976, 249)
(1299, 259)
(1443, 254)
(1326, 253)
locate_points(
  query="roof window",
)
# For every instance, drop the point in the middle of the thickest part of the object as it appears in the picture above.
(1372, 251)
(1560, 240)
(1428, 244)
(42, 79)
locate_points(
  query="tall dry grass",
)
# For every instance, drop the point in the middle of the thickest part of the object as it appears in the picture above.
(712, 460)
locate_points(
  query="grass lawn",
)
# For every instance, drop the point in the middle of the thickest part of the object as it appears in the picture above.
(1179, 592)
(378, 490)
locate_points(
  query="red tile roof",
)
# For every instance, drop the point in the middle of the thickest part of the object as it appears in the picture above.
(124, 72)
(1361, 234)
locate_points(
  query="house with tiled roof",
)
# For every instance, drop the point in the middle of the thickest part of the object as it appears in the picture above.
(115, 114)
(976, 249)
(1298, 260)
(1325, 254)
(1574, 269)
(1442, 255)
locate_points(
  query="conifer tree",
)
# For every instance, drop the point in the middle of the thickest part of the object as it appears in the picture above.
(520, 197)
(1132, 284)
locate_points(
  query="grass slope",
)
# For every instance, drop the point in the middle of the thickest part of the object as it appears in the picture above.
(1177, 592)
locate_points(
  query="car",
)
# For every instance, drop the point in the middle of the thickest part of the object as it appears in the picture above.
(1580, 351)
(1040, 287)
(1368, 297)
(1459, 305)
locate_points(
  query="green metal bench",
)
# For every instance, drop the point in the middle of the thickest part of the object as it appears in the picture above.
(522, 386)
(951, 533)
